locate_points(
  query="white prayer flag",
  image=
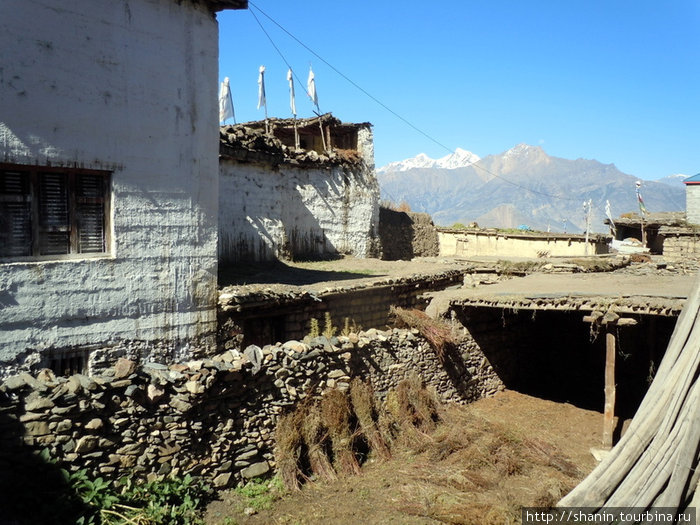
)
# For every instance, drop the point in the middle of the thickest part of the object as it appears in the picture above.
(261, 88)
(609, 215)
(225, 102)
(292, 103)
(311, 88)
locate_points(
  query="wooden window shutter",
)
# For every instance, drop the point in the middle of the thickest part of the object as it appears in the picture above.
(90, 212)
(15, 214)
(54, 214)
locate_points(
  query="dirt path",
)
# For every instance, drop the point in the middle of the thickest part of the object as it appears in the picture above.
(481, 465)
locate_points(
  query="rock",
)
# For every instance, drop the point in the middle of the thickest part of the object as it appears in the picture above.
(73, 385)
(179, 404)
(85, 444)
(131, 391)
(335, 374)
(247, 454)
(36, 428)
(154, 393)
(94, 424)
(14, 383)
(38, 404)
(295, 346)
(255, 356)
(255, 470)
(194, 387)
(155, 366)
(46, 376)
(64, 426)
(222, 480)
(124, 368)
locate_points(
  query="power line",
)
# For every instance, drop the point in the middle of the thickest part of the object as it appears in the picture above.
(387, 108)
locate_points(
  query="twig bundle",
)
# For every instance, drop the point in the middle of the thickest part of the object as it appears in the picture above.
(314, 438)
(289, 438)
(365, 409)
(335, 411)
(438, 334)
(416, 406)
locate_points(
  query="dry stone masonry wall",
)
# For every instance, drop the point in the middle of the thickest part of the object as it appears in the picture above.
(213, 417)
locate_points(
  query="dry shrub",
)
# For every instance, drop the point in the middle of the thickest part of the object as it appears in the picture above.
(363, 403)
(288, 438)
(416, 406)
(437, 333)
(335, 413)
(314, 437)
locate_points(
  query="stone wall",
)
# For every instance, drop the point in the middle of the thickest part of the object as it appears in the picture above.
(405, 235)
(267, 316)
(215, 417)
(681, 245)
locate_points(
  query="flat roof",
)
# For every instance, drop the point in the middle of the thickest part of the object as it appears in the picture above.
(625, 293)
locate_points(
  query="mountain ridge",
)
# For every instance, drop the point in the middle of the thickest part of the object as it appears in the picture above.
(548, 192)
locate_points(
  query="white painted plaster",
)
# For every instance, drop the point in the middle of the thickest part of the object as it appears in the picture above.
(692, 203)
(268, 212)
(129, 86)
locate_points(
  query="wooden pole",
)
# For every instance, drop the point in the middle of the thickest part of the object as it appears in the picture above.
(610, 320)
(609, 411)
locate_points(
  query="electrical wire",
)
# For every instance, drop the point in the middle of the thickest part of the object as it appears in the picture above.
(387, 108)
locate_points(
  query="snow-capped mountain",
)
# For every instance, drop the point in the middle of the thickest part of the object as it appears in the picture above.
(459, 159)
(674, 180)
(494, 190)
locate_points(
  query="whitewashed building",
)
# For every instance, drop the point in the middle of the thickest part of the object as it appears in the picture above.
(108, 180)
(277, 201)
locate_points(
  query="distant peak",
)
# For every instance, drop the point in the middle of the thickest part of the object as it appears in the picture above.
(458, 159)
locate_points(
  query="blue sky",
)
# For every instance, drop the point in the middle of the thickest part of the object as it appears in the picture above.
(612, 80)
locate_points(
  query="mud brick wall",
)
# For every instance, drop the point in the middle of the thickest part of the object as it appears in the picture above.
(405, 235)
(213, 417)
(268, 317)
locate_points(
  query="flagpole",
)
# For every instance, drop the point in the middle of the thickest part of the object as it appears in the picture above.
(293, 107)
(311, 91)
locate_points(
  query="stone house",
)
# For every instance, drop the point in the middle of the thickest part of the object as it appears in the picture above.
(277, 200)
(108, 180)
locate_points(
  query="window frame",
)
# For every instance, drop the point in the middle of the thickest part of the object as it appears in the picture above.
(39, 231)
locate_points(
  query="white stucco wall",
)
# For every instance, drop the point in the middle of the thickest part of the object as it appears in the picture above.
(128, 86)
(692, 203)
(465, 244)
(268, 212)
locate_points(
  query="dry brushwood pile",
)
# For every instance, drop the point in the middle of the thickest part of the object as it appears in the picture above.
(476, 464)
(332, 436)
(655, 463)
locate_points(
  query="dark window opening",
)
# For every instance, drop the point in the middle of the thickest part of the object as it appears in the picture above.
(67, 363)
(53, 212)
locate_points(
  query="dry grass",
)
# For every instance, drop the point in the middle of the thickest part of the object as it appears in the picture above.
(288, 438)
(335, 414)
(315, 438)
(468, 460)
(364, 406)
(437, 333)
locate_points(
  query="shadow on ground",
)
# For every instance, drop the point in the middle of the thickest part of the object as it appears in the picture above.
(278, 272)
